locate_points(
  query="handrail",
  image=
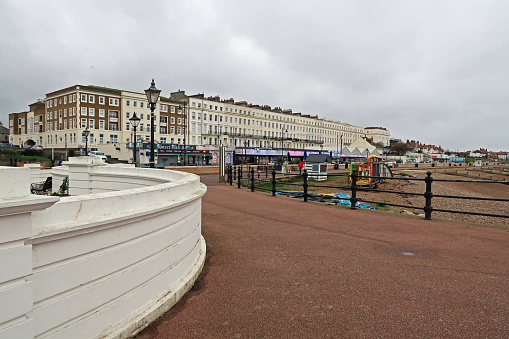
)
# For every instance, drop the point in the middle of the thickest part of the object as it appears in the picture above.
(253, 183)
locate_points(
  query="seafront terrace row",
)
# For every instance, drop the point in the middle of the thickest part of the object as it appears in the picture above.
(103, 262)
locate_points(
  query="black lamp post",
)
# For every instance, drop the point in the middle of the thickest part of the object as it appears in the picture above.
(152, 95)
(185, 124)
(245, 145)
(283, 131)
(86, 133)
(135, 122)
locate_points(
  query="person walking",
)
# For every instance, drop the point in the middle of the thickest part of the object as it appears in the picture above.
(301, 165)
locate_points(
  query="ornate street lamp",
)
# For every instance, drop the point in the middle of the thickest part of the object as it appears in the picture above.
(86, 133)
(185, 125)
(283, 131)
(152, 95)
(135, 122)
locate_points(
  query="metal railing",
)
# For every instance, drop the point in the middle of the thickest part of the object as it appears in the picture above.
(248, 177)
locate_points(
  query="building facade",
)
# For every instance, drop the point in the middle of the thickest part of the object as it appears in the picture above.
(58, 120)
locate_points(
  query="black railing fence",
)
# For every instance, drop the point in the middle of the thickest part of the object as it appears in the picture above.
(266, 179)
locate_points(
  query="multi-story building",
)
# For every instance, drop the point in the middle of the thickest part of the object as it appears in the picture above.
(379, 135)
(58, 120)
(213, 121)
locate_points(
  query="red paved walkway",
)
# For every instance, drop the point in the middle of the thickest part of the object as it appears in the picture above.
(282, 268)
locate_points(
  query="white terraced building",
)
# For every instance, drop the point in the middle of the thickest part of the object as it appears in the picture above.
(57, 122)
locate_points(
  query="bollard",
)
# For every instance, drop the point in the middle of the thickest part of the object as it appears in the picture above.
(428, 195)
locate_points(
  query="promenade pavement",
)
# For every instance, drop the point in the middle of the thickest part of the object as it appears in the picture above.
(281, 268)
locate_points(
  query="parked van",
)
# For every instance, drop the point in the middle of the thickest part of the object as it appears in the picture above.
(97, 154)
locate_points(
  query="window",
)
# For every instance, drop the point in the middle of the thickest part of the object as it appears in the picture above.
(179, 121)
(179, 129)
(141, 104)
(101, 124)
(101, 138)
(141, 127)
(135, 104)
(83, 111)
(111, 101)
(101, 100)
(162, 130)
(193, 104)
(74, 98)
(172, 130)
(83, 98)
(112, 127)
(65, 100)
(163, 140)
(127, 115)
(113, 114)
(65, 112)
(101, 113)
(74, 111)
(128, 102)
(113, 138)
(83, 123)
(173, 109)
(199, 105)
(127, 126)
(172, 120)
(91, 112)
(141, 116)
(193, 115)
(91, 99)
(91, 123)
(164, 120)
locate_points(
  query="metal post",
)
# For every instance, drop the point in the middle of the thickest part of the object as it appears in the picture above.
(305, 185)
(252, 180)
(353, 199)
(152, 149)
(238, 177)
(273, 182)
(134, 148)
(235, 173)
(428, 195)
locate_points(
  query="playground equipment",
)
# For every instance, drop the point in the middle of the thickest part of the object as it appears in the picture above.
(374, 167)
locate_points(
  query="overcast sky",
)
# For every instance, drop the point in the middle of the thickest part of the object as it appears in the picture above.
(433, 71)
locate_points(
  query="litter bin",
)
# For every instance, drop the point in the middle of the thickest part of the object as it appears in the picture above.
(336, 166)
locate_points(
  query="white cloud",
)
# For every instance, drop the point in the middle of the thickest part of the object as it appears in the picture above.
(428, 70)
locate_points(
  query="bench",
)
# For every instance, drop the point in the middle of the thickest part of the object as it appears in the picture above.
(42, 187)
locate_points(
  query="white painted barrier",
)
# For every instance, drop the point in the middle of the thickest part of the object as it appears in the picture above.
(103, 262)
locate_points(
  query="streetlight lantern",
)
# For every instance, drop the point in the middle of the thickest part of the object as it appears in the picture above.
(152, 95)
(86, 133)
(135, 122)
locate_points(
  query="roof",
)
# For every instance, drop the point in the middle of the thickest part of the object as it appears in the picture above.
(318, 158)
(4, 130)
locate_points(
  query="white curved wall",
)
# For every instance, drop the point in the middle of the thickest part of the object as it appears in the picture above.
(107, 263)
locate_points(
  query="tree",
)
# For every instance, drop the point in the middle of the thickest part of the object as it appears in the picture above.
(400, 148)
